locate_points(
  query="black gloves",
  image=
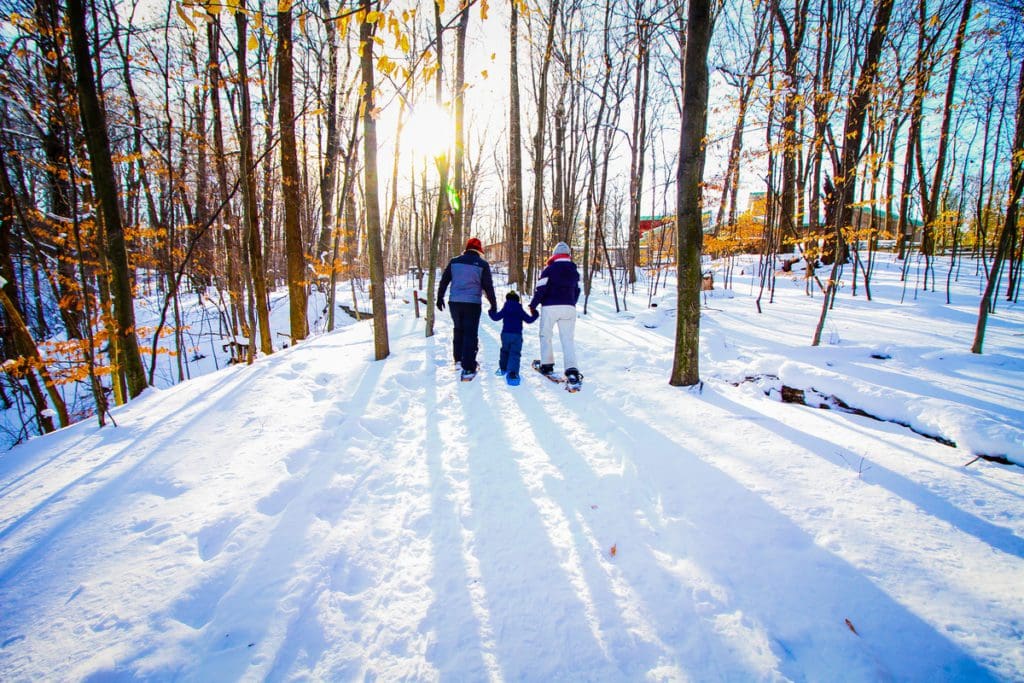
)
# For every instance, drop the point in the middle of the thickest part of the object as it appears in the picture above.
(440, 304)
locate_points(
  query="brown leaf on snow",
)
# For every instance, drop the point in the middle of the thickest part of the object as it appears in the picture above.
(849, 625)
(614, 549)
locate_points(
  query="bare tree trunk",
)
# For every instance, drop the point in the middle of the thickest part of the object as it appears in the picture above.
(930, 208)
(442, 196)
(792, 36)
(329, 174)
(105, 184)
(257, 270)
(460, 132)
(853, 131)
(238, 320)
(593, 205)
(638, 142)
(296, 256)
(372, 202)
(689, 180)
(537, 219)
(515, 161)
(1009, 232)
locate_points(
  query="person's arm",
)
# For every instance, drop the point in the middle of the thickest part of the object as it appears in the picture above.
(539, 290)
(576, 284)
(488, 285)
(495, 314)
(446, 279)
(530, 317)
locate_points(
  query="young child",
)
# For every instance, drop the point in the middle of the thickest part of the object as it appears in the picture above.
(514, 316)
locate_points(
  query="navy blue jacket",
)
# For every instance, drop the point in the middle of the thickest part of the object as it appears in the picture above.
(513, 315)
(559, 285)
(469, 275)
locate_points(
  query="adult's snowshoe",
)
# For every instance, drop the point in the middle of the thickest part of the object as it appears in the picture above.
(573, 380)
(548, 370)
(468, 376)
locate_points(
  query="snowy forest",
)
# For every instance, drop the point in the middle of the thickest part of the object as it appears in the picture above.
(226, 150)
(234, 445)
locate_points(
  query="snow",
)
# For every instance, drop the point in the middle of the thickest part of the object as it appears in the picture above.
(322, 516)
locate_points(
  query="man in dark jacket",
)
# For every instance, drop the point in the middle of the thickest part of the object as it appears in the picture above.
(557, 292)
(469, 276)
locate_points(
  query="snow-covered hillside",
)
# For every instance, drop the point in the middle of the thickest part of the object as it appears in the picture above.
(320, 516)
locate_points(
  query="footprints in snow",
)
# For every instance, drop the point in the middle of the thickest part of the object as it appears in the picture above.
(277, 500)
(211, 539)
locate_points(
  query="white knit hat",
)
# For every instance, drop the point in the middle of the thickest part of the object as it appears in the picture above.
(561, 248)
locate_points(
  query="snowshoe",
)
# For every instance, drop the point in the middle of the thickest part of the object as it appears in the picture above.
(573, 380)
(548, 370)
(512, 379)
(499, 372)
(468, 376)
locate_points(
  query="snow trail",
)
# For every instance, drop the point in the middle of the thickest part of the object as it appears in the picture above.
(319, 515)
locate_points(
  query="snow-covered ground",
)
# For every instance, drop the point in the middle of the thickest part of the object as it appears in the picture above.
(321, 516)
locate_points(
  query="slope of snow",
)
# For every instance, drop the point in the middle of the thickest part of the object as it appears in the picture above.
(319, 515)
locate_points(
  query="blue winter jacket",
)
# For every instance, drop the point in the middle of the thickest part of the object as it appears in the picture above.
(559, 285)
(513, 315)
(469, 275)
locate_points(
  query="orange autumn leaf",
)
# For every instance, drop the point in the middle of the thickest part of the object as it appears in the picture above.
(614, 549)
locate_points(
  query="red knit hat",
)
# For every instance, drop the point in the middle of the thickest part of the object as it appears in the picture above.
(475, 245)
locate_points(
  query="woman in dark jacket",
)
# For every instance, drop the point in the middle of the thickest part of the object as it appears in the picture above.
(558, 290)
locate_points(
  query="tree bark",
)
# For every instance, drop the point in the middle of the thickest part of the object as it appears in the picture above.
(105, 185)
(689, 204)
(537, 219)
(458, 211)
(442, 196)
(853, 131)
(1009, 232)
(257, 271)
(296, 256)
(515, 160)
(380, 315)
(792, 36)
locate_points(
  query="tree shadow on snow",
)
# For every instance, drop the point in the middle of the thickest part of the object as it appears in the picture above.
(772, 572)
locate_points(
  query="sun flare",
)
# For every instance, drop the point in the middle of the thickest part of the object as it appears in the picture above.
(428, 132)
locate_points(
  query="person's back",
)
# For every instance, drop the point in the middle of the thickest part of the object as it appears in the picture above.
(512, 317)
(468, 273)
(470, 278)
(559, 284)
(558, 290)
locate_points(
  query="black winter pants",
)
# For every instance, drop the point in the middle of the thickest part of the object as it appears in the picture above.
(465, 342)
